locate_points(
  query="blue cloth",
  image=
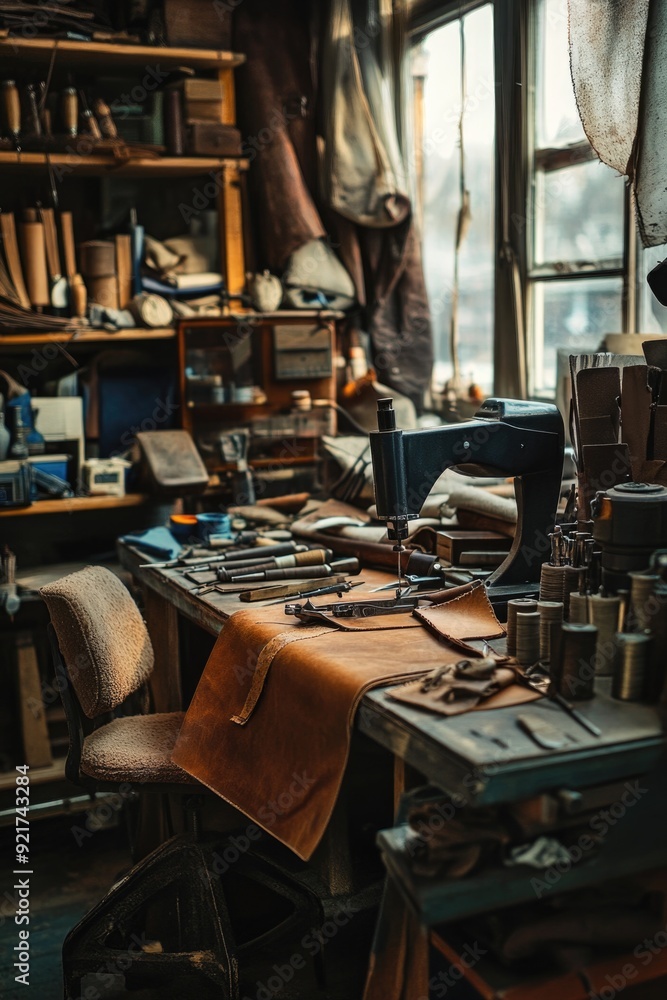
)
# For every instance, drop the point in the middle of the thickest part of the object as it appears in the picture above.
(155, 542)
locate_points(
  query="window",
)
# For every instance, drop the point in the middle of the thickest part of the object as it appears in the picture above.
(577, 262)
(581, 270)
(454, 166)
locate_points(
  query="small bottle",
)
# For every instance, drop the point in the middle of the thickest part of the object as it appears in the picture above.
(5, 437)
(19, 448)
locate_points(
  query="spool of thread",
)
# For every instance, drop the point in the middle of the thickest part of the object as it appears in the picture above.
(551, 582)
(551, 613)
(103, 291)
(579, 609)
(528, 638)
(97, 258)
(572, 661)
(631, 666)
(570, 586)
(603, 612)
(642, 588)
(517, 604)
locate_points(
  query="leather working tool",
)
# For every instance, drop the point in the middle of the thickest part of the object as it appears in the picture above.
(230, 571)
(552, 695)
(334, 588)
(347, 566)
(199, 565)
(327, 614)
(314, 588)
(11, 108)
(506, 437)
(446, 579)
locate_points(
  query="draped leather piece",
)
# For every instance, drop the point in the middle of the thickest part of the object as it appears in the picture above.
(275, 99)
(284, 768)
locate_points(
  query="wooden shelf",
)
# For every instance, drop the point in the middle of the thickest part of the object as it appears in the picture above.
(76, 505)
(82, 55)
(96, 165)
(72, 338)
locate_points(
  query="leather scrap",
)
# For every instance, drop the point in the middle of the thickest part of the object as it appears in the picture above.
(467, 616)
(456, 687)
(636, 400)
(460, 687)
(456, 848)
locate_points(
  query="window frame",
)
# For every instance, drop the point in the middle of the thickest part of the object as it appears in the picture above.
(520, 161)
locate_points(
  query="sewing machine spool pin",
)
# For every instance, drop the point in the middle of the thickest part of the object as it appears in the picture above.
(506, 437)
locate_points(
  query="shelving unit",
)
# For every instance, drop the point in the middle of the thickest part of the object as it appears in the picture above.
(272, 354)
(99, 165)
(71, 338)
(74, 505)
(32, 531)
(88, 55)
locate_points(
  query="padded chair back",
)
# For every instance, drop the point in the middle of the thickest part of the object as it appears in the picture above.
(102, 637)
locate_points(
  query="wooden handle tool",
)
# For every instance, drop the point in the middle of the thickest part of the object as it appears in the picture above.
(70, 110)
(11, 108)
(106, 122)
(77, 290)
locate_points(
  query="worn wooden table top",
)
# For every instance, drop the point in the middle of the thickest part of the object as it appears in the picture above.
(482, 756)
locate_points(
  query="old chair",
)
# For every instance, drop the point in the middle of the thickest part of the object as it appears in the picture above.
(183, 915)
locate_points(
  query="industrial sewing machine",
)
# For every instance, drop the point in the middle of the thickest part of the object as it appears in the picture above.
(507, 437)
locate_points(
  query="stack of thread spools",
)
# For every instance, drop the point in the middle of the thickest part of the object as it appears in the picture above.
(584, 633)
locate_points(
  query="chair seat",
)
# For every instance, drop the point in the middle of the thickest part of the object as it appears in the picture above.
(135, 748)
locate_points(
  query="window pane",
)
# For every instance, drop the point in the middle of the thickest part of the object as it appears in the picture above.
(579, 214)
(574, 314)
(440, 59)
(557, 118)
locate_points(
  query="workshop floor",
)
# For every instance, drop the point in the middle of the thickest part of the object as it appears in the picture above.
(68, 879)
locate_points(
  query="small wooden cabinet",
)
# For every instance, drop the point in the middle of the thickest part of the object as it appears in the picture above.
(270, 376)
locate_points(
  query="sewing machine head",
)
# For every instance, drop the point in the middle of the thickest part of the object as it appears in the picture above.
(507, 437)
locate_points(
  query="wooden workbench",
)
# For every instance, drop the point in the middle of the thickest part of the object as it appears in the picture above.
(483, 758)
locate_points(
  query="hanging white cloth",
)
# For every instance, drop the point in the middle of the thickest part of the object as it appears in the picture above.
(618, 56)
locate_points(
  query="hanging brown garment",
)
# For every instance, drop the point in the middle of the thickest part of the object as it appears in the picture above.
(275, 100)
